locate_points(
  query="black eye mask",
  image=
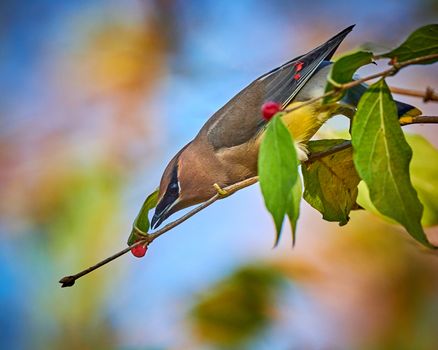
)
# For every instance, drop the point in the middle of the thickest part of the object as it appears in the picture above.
(171, 194)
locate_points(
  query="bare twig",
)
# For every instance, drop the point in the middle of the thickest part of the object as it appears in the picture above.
(335, 149)
(427, 95)
(69, 281)
(422, 119)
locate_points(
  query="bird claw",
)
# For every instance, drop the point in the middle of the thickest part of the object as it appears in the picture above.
(220, 190)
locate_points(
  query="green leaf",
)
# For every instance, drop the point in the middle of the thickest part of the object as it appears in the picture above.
(293, 210)
(278, 171)
(422, 42)
(424, 175)
(343, 69)
(364, 200)
(382, 156)
(236, 310)
(141, 222)
(331, 182)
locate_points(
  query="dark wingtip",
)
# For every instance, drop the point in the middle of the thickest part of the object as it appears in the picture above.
(337, 39)
(349, 28)
(344, 32)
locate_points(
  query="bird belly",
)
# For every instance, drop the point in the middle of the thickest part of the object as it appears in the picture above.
(304, 122)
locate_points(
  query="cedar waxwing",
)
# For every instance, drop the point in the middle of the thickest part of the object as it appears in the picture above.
(225, 151)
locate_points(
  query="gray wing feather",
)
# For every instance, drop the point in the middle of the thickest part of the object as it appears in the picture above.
(240, 120)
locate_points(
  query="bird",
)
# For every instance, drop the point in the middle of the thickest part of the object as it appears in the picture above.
(225, 150)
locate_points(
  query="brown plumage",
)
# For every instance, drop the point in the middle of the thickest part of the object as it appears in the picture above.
(226, 148)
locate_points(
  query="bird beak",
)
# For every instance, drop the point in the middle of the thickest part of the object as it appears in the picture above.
(162, 212)
(158, 218)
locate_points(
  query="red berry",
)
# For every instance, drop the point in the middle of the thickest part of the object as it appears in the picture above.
(269, 109)
(297, 76)
(298, 66)
(139, 251)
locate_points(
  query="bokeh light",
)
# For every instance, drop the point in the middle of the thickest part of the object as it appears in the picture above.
(96, 97)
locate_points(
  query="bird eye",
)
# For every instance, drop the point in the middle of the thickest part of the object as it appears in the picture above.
(173, 187)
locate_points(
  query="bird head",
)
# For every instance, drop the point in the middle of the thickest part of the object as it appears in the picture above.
(184, 183)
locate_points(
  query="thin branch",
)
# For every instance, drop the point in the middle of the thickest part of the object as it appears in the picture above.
(396, 66)
(427, 95)
(422, 119)
(335, 149)
(69, 281)
(229, 190)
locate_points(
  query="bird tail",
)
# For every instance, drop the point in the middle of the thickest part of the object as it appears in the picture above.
(353, 96)
(406, 110)
(283, 83)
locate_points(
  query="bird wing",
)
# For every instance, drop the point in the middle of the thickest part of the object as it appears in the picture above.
(284, 82)
(240, 120)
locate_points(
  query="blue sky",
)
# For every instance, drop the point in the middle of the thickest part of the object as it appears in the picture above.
(221, 47)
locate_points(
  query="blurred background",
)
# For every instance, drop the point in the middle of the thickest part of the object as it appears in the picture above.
(96, 97)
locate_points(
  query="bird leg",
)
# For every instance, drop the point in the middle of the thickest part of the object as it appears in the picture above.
(220, 190)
